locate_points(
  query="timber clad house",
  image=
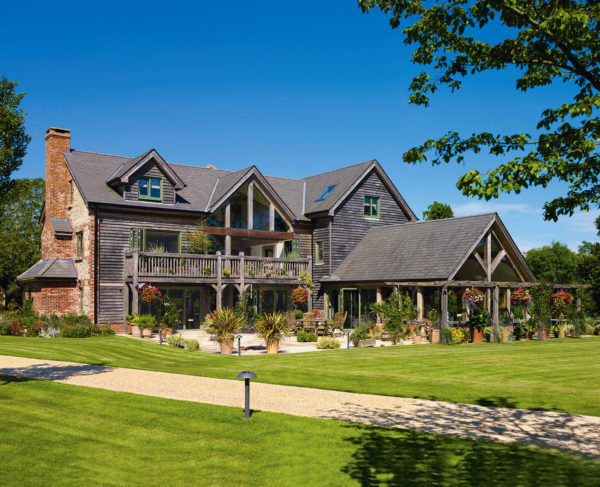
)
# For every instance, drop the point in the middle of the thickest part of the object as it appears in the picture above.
(112, 224)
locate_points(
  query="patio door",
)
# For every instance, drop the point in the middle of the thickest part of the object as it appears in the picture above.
(349, 301)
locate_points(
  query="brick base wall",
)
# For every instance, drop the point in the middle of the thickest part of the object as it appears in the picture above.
(118, 327)
(56, 297)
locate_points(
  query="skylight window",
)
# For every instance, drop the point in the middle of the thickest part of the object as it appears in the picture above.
(325, 193)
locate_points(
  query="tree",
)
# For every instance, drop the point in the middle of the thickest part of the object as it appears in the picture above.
(437, 211)
(556, 263)
(20, 232)
(13, 139)
(199, 240)
(543, 41)
(588, 271)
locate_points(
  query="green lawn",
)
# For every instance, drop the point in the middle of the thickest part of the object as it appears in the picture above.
(560, 375)
(56, 434)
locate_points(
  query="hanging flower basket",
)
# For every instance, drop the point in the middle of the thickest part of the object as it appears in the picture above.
(561, 300)
(299, 296)
(472, 297)
(149, 293)
(520, 297)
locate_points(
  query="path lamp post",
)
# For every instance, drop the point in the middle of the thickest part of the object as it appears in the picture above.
(247, 375)
(348, 339)
(160, 336)
(239, 337)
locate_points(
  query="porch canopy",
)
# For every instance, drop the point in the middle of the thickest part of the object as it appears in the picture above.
(471, 251)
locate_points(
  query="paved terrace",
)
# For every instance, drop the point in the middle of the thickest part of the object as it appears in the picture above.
(575, 433)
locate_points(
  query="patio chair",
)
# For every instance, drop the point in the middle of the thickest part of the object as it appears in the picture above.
(292, 323)
(338, 322)
(309, 323)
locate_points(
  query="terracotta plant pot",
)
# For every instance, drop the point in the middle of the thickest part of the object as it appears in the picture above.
(147, 332)
(272, 346)
(411, 330)
(381, 326)
(128, 326)
(135, 331)
(476, 336)
(435, 336)
(226, 346)
(417, 340)
(504, 336)
(528, 335)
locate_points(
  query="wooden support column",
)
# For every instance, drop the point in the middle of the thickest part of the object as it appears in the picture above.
(242, 272)
(378, 300)
(228, 215)
(135, 307)
(508, 300)
(326, 304)
(219, 288)
(227, 244)
(444, 305)
(250, 205)
(578, 303)
(420, 302)
(495, 314)
(271, 217)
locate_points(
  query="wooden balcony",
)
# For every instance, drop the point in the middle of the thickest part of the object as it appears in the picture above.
(212, 269)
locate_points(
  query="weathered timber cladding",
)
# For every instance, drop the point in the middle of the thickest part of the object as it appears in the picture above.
(349, 225)
(304, 237)
(150, 170)
(320, 271)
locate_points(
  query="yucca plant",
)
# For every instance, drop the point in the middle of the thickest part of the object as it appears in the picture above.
(224, 324)
(272, 327)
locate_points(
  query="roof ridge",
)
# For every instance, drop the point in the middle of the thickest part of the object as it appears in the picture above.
(99, 153)
(339, 169)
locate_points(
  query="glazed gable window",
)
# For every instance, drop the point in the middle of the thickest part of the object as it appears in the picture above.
(371, 207)
(150, 189)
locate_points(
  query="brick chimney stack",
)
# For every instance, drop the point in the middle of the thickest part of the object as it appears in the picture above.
(57, 174)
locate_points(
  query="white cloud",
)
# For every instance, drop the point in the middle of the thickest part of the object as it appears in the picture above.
(581, 221)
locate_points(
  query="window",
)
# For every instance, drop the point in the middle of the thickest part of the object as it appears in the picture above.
(290, 249)
(79, 245)
(268, 251)
(154, 240)
(325, 193)
(371, 207)
(280, 224)
(150, 189)
(319, 252)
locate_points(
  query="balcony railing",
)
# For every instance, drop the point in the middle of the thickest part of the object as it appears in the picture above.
(165, 266)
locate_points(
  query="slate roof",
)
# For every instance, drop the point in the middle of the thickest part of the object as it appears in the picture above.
(53, 268)
(343, 178)
(425, 250)
(61, 226)
(205, 185)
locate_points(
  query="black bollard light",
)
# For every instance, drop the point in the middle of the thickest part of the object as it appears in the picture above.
(348, 339)
(239, 337)
(160, 336)
(247, 375)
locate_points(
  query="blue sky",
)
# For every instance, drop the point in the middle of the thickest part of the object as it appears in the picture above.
(293, 87)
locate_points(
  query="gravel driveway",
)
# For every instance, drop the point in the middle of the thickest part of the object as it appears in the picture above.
(575, 433)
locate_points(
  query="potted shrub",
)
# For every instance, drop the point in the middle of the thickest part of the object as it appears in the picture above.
(361, 337)
(478, 320)
(272, 327)
(560, 302)
(434, 318)
(171, 317)
(504, 332)
(223, 325)
(145, 323)
(128, 324)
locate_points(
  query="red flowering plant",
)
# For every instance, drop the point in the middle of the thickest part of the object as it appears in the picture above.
(299, 296)
(149, 293)
(561, 300)
(472, 297)
(521, 297)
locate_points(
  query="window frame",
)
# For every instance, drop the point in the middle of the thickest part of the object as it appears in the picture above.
(148, 180)
(319, 250)
(371, 206)
(79, 245)
(138, 235)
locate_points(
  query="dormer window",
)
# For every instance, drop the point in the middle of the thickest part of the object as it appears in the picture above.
(325, 193)
(150, 189)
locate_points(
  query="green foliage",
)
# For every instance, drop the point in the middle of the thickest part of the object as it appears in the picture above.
(144, 321)
(328, 343)
(433, 316)
(437, 211)
(542, 43)
(20, 232)
(479, 319)
(272, 326)
(246, 310)
(13, 139)
(305, 278)
(303, 336)
(298, 314)
(156, 248)
(588, 272)
(224, 324)
(180, 342)
(199, 241)
(170, 313)
(359, 333)
(541, 306)
(556, 263)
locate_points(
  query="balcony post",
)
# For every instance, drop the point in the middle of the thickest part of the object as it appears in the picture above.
(271, 217)
(242, 272)
(136, 267)
(219, 288)
(250, 205)
(444, 310)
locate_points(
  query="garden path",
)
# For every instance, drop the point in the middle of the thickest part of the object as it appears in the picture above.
(574, 433)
